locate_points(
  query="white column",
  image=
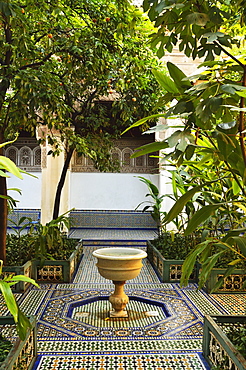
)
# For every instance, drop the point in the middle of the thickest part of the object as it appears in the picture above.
(165, 185)
(51, 172)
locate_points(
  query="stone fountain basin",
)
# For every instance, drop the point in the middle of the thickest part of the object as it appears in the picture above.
(119, 264)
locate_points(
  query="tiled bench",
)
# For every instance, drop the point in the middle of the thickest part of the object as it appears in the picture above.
(112, 225)
(99, 225)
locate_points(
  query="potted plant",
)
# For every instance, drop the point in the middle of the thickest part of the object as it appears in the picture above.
(215, 185)
(167, 254)
(224, 342)
(23, 349)
(168, 251)
(18, 256)
(56, 257)
(18, 354)
(210, 134)
(43, 253)
(154, 205)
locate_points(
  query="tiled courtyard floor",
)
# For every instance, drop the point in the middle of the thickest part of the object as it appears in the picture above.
(75, 332)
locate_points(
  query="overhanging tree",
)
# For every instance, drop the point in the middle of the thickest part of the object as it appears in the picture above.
(111, 63)
(56, 60)
(211, 107)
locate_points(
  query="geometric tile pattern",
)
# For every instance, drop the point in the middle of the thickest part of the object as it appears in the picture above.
(204, 305)
(112, 219)
(88, 273)
(111, 234)
(75, 332)
(100, 347)
(234, 304)
(122, 362)
(180, 319)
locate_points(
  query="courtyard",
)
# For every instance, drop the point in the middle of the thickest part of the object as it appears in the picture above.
(164, 328)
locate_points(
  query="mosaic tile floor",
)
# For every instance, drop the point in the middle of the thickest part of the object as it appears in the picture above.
(75, 332)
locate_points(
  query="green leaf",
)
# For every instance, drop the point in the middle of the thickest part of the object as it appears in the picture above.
(200, 216)
(8, 165)
(199, 19)
(221, 280)
(8, 142)
(181, 202)
(207, 268)
(241, 93)
(166, 82)
(150, 148)
(240, 241)
(23, 278)
(189, 152)
(150, 185)
(173, 140)
(235, 262)
(178, 77)
(143, 120)
(212, 36)
(23, 324)
(15, 189)
(9, 299)
(189, 263)
(3, 174)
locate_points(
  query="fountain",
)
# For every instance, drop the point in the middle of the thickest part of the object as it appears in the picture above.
(119, 264)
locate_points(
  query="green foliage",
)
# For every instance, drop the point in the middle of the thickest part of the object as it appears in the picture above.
(20, 248)
(22, 322)
(49, 241)
(237, 335)
(208, 146)
(154, 205)
(198, 28)
(175, 245)
(5, 346)
(7, 165)
(59, 62)
(40, 242)
(67, 57)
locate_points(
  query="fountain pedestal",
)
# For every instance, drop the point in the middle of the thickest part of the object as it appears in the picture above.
(119, 300)
(119, 264)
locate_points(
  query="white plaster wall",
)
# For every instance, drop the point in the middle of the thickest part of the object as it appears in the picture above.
(102, 191)
(30, 190)
(108, 191)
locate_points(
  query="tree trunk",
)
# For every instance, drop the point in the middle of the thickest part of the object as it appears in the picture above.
(3, 214)
(61, 184)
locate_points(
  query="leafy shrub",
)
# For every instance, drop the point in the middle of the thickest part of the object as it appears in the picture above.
(22, 249)
(5, 347)
(237, 335)
(175, 246)
(42, 242)
(227, 257)
(18, 250)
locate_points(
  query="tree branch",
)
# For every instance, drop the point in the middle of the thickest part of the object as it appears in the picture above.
(241, 126)
(37, 64)
(229, 54)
